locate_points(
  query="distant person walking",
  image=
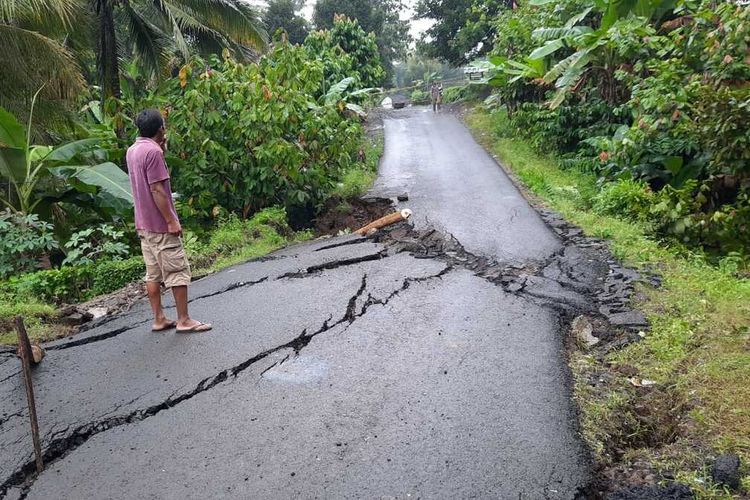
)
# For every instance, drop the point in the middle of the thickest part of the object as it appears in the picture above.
(436, 92)
(157, 224)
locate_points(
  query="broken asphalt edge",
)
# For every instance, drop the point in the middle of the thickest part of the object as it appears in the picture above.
(396, 239)
(58, 448)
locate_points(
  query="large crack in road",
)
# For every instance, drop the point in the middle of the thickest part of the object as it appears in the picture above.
(423, 245)
(410, 363)
(63, 442)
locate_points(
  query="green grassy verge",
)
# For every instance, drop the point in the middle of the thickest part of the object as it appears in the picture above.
(697, 351)
(235, 241)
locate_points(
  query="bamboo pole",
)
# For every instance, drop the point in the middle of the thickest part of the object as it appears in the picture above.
(385, 221)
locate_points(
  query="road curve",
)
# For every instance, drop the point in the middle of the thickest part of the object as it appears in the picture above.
(455, 186)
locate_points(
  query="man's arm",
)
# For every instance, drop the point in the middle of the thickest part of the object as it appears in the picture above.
(161, 199)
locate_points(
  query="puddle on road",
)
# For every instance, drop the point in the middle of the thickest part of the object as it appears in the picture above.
(300, 370)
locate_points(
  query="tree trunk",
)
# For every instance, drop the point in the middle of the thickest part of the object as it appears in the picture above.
(106, 55)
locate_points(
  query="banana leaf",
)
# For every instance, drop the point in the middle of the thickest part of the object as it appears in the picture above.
(106, 176)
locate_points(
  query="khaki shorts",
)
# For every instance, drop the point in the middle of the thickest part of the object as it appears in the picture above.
(165, 259)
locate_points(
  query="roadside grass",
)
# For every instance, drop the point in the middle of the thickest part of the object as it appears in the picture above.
(234, 241)
(36, 316)
(697, 350)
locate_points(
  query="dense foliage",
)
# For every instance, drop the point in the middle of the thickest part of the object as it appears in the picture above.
(461, 29)
(380, 17)
(347, 50)
(232, 238)
(58, 45)
(23, 240)
(652, 96)
(285, 15)
(251, 136)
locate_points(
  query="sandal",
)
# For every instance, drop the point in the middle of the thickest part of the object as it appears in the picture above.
(167, 326)
(197, 328)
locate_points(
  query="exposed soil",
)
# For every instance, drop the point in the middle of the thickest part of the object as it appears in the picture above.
(343, 216)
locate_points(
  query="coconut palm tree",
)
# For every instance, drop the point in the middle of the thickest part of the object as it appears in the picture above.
(33, 52)
(155, 30)
(42, 41)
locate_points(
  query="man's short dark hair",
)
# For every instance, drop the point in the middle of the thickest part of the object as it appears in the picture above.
(149, 121)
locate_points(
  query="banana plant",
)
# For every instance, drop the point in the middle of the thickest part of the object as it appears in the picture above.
(502, 71)
(25, 167)
(593, 48)
(339, 95)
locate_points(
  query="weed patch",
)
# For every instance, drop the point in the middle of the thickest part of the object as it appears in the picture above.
(357, 179)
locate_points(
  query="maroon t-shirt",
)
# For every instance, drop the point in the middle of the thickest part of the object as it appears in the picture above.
(146, 166)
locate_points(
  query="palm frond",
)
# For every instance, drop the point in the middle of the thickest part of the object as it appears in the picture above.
(225, 23)
(148, 41)
(37, 10)
(578, 17)
(548, 34)
(574, 72)
(568, 75)
(174, 19)
(30, 60)
(547, 49)
(561, 67)
(189, 32)
(237, 20)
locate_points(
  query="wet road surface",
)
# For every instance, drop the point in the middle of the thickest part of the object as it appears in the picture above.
(456, 187)
(337, 369)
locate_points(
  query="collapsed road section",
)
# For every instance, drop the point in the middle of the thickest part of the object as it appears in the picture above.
(406, 353)
(413, 363)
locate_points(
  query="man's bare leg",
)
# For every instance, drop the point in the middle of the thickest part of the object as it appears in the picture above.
(184, 322)
(154, 297)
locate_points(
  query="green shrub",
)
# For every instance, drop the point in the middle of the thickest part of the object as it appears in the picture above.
(562, 130)
(111, 275)
(23, 240)
(360, 47)
(252, 136)
(102, 241)
(75, 283)
(627, 199)
(67, 284)
(463, 93)
(419, 96)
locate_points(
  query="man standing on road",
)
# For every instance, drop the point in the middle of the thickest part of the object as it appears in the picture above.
(435, 93)
(157, 224)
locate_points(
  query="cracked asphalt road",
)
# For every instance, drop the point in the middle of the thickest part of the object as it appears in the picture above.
(456, 187)
(338, 368)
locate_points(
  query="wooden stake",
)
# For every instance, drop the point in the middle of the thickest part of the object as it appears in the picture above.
(24, 349)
